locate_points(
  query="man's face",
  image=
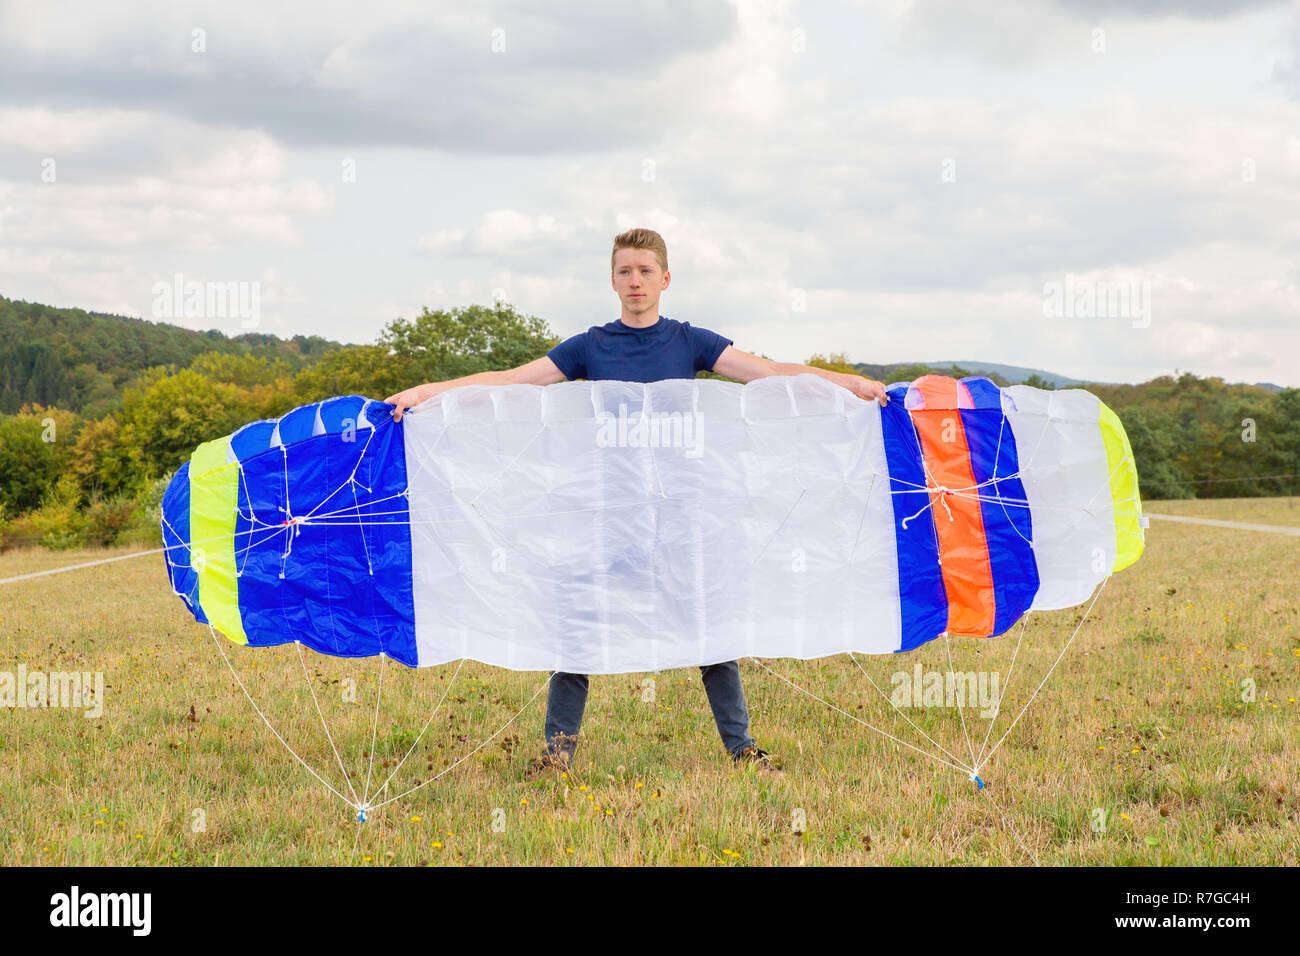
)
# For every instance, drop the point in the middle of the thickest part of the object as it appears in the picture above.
(638, 280)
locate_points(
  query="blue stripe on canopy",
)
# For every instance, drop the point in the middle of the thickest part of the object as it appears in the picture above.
(176, 539)
(923, 603)
(1003, 507)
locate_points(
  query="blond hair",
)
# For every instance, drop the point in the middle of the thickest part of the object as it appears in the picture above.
(641, 239)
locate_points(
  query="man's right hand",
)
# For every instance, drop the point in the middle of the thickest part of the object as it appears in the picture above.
(540, 371)
(404, 400)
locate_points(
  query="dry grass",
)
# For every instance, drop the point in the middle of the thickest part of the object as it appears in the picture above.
(1142, 723)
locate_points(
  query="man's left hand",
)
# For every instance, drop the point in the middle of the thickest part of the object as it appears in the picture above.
(867, 388)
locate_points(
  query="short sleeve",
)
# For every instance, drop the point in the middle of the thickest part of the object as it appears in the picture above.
(706, 347)
(570, 356)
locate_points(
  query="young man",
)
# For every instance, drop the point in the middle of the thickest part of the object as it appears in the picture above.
(642, 346)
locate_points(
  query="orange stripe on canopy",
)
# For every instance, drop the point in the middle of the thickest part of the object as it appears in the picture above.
(963, 549)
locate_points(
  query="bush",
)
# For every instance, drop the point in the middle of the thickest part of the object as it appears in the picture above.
(59, 525)
(54, 526)
(60, 540)
(106, 519)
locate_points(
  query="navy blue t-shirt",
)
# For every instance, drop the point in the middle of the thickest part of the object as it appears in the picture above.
(667, 349)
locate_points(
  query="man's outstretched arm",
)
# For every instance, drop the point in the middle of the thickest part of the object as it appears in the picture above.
(744, 367)
(541, 371)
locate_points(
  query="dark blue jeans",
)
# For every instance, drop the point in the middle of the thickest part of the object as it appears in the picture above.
(566, 699)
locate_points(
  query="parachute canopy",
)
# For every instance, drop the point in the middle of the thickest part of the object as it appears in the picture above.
(606, 527)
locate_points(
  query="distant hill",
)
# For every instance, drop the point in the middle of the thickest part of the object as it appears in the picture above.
(1016, 373)
(82, 360)
(1000, 374)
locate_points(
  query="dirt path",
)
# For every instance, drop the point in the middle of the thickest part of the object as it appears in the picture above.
(1241, 525)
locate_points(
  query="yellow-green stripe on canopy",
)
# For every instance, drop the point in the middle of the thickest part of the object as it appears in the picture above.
(214, 485)
(1123, 490)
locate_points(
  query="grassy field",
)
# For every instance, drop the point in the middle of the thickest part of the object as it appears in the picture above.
(1140, 748)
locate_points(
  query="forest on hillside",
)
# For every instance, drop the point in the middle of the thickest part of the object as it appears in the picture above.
(82, 361)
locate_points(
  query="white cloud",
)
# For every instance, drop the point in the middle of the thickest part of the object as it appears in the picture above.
(777, 147)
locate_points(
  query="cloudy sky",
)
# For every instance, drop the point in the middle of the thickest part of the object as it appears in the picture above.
(899, 180)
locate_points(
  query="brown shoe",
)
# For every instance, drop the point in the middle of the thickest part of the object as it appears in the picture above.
(558, 762)
(757, 758)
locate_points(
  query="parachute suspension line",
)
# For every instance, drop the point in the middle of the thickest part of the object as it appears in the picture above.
(505, 545)
(997, 449)
(365, 544)
(356, 840)
(187, 598)
(866, 506)
(253, 522)
(932, 487)
(1007, 824)
(290, 525)
(269, 725)
(329, 736)
(1001, 697)
(763, 550)
(191, 598)
(1095, 596)
(427, 723)
(1023, 463)
(410, 476)
(998, 497)
(961, 711)
(883, 733)
(251, 516)
(267, 534)
(1109, 478)
(374, 731)
(896, 708)
(930, 504)
(284, 460)
(510, 464)
(77, 567)
(168, 548)
(496, 734)
(351, 479)
(494, 516)
(344, 512)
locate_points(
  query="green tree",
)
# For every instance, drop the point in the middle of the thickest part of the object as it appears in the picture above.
(837, 362)
(99, 461)
(1155, 441)
(245, 370)
(440, 345)
(35, 449)
(163, 421)
(909, 373)
(1276, 449)
(368, 370)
